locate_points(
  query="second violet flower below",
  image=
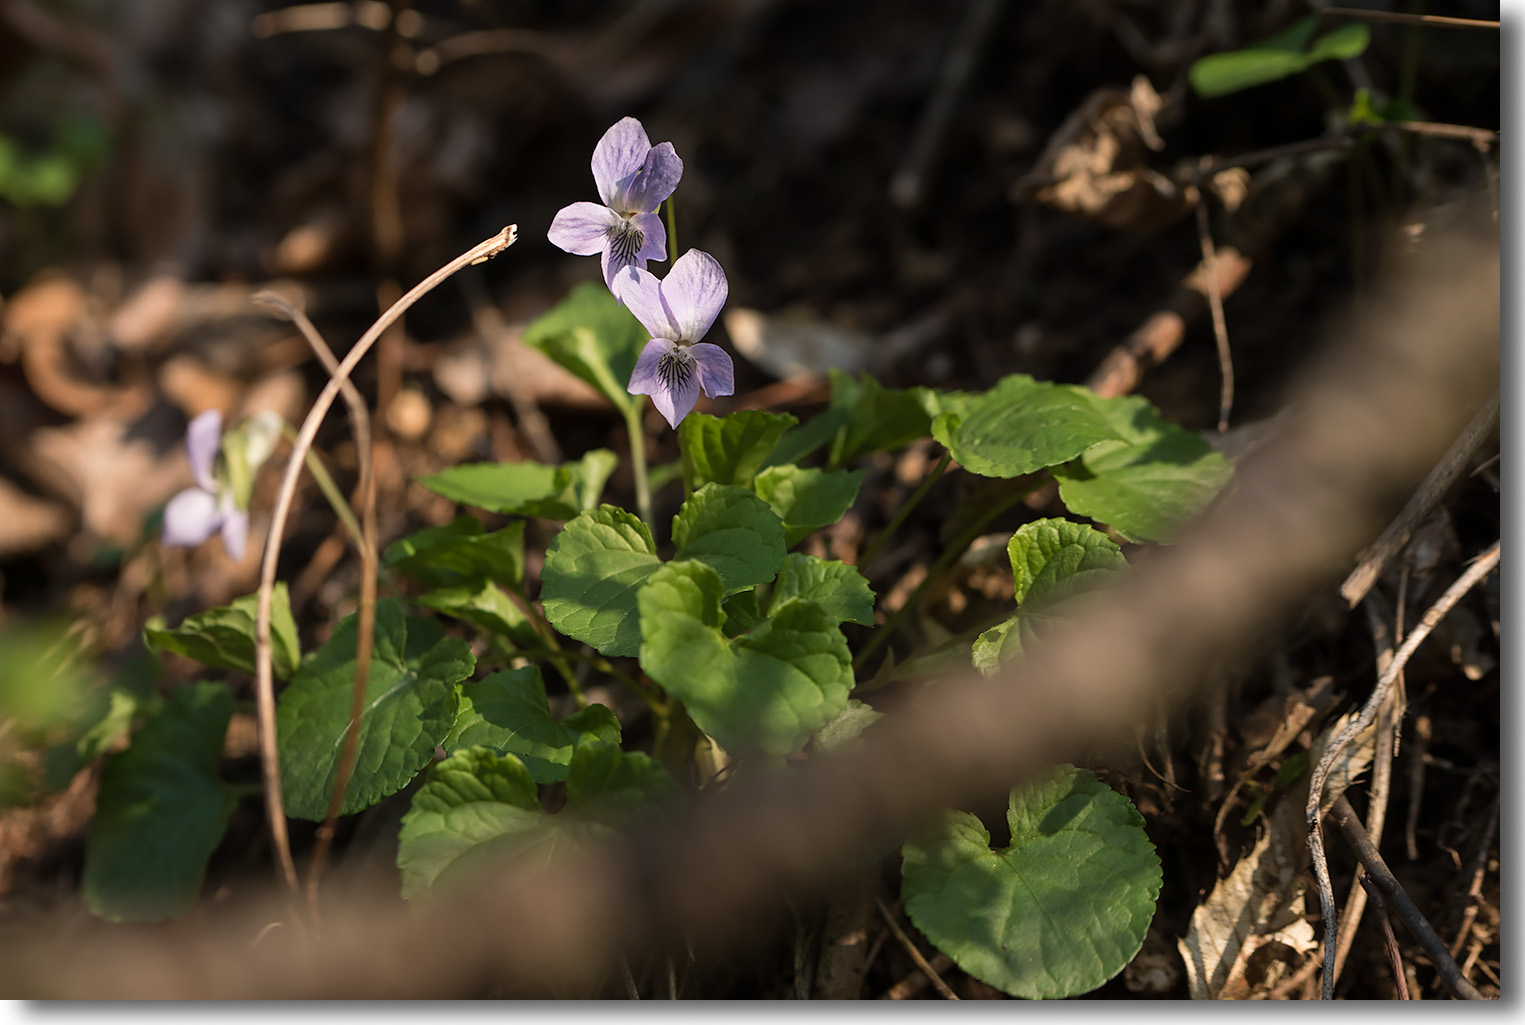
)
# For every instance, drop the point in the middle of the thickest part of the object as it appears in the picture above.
(675, 366)
(633, 178)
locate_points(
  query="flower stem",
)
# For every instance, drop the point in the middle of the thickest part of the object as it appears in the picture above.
(672, 231)
(905, 510)
(329, 488)
(948, 557)
(638, 462)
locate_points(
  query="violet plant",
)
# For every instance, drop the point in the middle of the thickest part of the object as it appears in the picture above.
(734, 647)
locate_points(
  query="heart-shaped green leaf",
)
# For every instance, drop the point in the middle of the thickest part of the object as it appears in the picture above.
(591, 335)
(1059, 911)
(161, 811)
(592, 572)
(461, 554)
(527, 488)
(877, 419)
(477, 809)
(1051, 559)
(729, 449)
(835, 586)
(1021, 426)
(487, 607)
(410, 706)
(806, 498)
(732, 531)
(767, 690)
(508, 713)
(1149, 484)
(223, 638)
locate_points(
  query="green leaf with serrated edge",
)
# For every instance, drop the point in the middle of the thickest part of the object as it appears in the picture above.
(807, 499)
(835, 586)
(1058, 912)
(508, 713)
(1051, 560)
(742, 613)
(1022, 425)
(591, 335)
(410, 705)
(732, 531)
(477, 809)
(592, 572)
(1151, 483)
(729, 449)
(223, 638)
(528, 488)
(461, 554)
(768, 690)
(846, 727)
(615, 787)
(878, 419)
(487, 607)
(161, 811)
(1285, 54)
(1050, 553)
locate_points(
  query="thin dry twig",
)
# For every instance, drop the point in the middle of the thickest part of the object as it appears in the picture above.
(1382, 768)
(1427, 20)
(1480, 568)
(264, 684)
(1475, 891)
(365, 635)
(1382, 877)
(916, 956)
(1439, 481)
(1220, 325)
(1371, 889)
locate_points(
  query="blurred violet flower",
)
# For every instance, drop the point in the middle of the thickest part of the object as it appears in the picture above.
(633, 178)
(675, 366)
(220, 499)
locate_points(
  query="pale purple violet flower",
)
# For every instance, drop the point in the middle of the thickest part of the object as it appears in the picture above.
(675, 366)
(633, 178)
(195, 514)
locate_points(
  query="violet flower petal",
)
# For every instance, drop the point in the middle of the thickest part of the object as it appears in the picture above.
(670, 375)
(641, 290)
(694, 291)
(617, 159)
(583, 228)
(202, 438)
(717, 375)
(654, 182)
(191, 517)
(651, 228)
(235, 532)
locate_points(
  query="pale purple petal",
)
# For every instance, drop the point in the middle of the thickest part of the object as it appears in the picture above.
(582, 228)
(201, 440)
(191, 517)
(650, 227)
(694, 291)
(642, 292)
(644, 379)
(618, 158)
(717, 376)
(654, 182)
(235, 532)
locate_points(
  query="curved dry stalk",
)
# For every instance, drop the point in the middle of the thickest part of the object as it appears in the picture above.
(1480, 568)
(263, 676)
(1220, 325)
(365, 640)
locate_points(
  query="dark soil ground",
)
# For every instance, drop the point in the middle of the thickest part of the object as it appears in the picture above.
(225, 151)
